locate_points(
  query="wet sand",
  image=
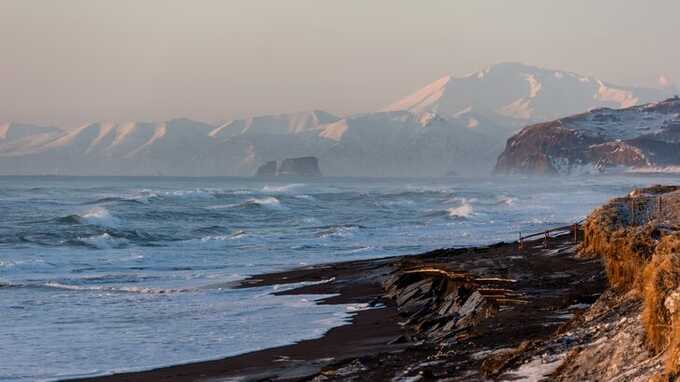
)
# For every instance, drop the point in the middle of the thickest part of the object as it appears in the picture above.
(369, 331)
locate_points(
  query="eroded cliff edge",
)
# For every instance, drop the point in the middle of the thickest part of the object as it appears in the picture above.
(632, 331)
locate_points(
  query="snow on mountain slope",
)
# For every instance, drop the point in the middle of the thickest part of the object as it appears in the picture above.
(15, 131)
(524, 93)
(23, 138)
(401, 144)
(282, 124)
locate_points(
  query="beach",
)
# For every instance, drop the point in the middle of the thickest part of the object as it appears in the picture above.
(379, 343)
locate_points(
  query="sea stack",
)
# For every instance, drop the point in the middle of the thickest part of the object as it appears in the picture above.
(266, 170)
(307, 167)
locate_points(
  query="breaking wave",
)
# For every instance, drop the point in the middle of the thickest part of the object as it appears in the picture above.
(236, 235)
(268, 201)
(110, 289)
(97, 288)
(98, 216)
(285, 188)
(463, 211)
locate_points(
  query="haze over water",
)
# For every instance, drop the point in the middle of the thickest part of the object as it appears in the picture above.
(109, 274)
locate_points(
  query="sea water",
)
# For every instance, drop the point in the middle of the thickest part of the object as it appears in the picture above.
(104, 275)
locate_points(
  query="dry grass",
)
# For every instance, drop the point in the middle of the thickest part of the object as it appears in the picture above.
(625, 248)
(640, 245)
(661, 293)
(661, 277)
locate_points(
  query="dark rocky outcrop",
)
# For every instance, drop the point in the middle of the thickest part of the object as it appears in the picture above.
(266, 170)
(299, 167)
(304, 166)
(641, 137)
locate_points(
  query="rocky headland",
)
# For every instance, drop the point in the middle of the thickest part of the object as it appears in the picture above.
(639, 138)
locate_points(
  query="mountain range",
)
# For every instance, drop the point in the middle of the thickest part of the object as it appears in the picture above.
(454, 124)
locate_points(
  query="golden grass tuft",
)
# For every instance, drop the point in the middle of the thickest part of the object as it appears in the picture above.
(660, 278)
(661, 303)
(624, 248)
(638, 238)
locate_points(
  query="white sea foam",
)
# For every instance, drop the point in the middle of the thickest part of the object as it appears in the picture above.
(269, 201)
(463, 210)
(100, 216)
(101, 288)
(339, 232)
(285, 287)
(197, 193)
(352, 308)
(360, 249)
(284, 188)
(103, 241)
(145, 196)
(223, 206)
(236, 235)
(310, 220)
(305, 196)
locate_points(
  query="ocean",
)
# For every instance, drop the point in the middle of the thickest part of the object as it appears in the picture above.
(106, 274)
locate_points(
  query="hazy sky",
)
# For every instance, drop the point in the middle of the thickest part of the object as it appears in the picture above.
(70, 61)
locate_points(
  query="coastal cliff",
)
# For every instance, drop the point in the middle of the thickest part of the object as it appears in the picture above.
(643, 138)
(298, 167)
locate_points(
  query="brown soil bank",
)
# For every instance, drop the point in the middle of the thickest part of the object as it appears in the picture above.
(638, 237)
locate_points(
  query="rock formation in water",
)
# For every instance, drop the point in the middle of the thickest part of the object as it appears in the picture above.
(267, 170)
(307, 167)
(639, 138)
(304, 166)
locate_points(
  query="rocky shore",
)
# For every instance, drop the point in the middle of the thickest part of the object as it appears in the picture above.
(596, 304)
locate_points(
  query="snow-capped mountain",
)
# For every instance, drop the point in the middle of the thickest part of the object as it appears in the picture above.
(455, 124)
(523, 93)
(639, 137)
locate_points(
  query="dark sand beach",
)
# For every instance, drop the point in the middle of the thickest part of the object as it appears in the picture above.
(543, 286)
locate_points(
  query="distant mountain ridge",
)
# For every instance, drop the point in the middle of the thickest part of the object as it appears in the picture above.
(523, 92)
(455, 124)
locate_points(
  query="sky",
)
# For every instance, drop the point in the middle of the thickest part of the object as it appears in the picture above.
(73, 61)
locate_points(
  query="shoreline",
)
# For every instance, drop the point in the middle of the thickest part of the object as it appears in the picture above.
(367, 331)
(379, 341)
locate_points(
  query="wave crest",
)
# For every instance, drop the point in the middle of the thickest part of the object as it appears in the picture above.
(463, 211)
(103, 241)
(268, 201)
(98, 216)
